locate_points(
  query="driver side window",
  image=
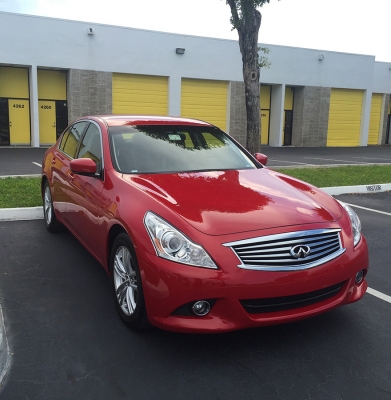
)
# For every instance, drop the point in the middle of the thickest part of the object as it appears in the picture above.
(91, 146)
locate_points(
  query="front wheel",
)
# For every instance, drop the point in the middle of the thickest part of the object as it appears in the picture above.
(126, 284)
(51, 222)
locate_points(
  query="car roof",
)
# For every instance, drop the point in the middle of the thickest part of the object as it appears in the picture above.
(121, 120)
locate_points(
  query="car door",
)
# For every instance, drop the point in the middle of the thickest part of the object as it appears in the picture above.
(60, 169)
(85, 204)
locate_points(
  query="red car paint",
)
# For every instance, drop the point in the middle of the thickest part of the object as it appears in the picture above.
(210, 208)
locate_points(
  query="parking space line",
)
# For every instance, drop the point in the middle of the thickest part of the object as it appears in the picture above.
(39, 165)
(333, 159)
(369, 209)
(289, 162)
(380, 295)
(373, 158)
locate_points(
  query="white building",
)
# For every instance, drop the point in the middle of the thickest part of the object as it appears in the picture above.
(53, 71)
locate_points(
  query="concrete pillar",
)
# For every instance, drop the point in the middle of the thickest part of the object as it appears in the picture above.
(174, 95)
(365, 115)
(34, 110)
(276, 115)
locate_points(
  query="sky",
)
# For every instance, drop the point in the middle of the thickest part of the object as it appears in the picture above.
(349, 26)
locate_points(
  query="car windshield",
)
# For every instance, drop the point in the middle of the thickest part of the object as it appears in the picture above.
(173, 148)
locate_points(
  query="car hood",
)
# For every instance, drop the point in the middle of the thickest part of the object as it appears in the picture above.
(226, 202)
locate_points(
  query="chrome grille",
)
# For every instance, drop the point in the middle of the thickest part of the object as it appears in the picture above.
(288, 251)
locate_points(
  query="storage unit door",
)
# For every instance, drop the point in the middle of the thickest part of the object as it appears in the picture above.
(14, 106)
(205, 100)
(140, 94)
(374, 122)
(47, 121)
(344, 117)
(19, 120)
(52, 90)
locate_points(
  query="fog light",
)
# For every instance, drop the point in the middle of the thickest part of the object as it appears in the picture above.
(359, 277)
(201, 308)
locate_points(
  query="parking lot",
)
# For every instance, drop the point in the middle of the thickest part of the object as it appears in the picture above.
(67, 341)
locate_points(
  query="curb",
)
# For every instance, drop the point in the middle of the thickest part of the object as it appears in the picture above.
(25, 213)
(5, 359)
(336, 190)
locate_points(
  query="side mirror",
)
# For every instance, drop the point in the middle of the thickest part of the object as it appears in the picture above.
(83, 166)
(262, 158)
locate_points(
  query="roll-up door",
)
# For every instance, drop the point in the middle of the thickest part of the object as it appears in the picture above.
(205, 100)
(344, 117)
(140, 94)
(265, 114)
(52, 95)
(374, 122)
(15, 106)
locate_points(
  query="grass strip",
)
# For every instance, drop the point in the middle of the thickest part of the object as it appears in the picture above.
(341, 176)
(20, 192)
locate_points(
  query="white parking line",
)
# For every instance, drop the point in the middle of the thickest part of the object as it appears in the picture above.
(380, 295)
(369, 209)
(39, 165)
(289, 162)
(333, 159)
(373, 158)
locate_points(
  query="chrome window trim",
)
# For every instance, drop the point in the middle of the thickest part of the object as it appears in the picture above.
(285, 236)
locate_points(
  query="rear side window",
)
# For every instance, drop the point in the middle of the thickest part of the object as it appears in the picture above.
(71, 138)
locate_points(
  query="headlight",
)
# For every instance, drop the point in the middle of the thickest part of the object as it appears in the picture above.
(355, 222)
(173, 245)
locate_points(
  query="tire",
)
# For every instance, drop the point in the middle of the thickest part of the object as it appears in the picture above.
(126, 284)
(51, 222)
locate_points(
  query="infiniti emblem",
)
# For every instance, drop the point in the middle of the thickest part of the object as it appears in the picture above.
(300, 251)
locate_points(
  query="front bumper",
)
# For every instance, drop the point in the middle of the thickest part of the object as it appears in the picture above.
(169, 286)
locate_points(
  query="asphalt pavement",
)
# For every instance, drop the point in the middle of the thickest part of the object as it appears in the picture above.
(68, 342)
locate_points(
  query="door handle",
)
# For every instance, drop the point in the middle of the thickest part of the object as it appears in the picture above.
(10, 123)
(54, 125)
(53, 160)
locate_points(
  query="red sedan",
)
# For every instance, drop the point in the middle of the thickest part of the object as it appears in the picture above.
(197, 234)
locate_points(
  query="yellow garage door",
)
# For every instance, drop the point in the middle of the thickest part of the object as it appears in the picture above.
(14, 89)
(344, 117)
(205, 100)
(140, 94)
(265, 114)
(374, 122)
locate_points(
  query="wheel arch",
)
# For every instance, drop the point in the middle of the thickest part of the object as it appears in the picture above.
(114, 231)
(44, 179)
